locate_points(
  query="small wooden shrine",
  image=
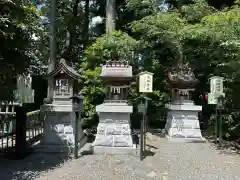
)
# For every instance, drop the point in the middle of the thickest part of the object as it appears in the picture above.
(181, 80)
(65, 85)
(116, 74)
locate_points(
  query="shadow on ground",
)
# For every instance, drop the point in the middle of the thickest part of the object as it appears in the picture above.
(226, 147)
(30, 167)
(158, 132)
(147, 153)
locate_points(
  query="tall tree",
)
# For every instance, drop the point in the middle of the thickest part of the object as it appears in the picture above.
(110, 15)
(19, 25)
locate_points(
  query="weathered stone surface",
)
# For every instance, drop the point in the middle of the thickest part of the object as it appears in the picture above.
(114, 117)
(113, 140)
(122, 141)
(102, 140)
(59, 129)
(126, 129)
(186, 133)
(113, 128)
(114, 133)
(68, 130)
(183, 123)
(114, 108)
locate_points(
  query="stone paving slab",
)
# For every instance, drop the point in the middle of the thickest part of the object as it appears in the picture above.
(171, 161)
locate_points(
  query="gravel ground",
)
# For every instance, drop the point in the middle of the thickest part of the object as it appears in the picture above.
(171, 161)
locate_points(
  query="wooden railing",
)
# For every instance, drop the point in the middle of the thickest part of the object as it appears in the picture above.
(34, 124)
(8, 108)
(34, 128)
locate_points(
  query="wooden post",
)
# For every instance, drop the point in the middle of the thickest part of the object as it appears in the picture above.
(141, 137)
(21, 124)
(76, 135)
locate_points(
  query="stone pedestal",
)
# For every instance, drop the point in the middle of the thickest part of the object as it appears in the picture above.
(182, 120)
(59, 129)
(114, 131)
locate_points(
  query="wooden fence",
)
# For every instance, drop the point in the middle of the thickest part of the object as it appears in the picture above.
(34, 127)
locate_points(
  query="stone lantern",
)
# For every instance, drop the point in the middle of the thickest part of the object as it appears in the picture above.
(62, 113)
(182, 116)
(114, 129)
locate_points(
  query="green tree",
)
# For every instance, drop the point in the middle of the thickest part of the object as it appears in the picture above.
(19, 24)
(94, 57)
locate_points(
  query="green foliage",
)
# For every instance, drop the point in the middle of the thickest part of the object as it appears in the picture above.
(93, 92)
(213, 46)
(193, 13)
(148, 37)
(100, 51)
(94, 57)
(142, 7)
(18, 22)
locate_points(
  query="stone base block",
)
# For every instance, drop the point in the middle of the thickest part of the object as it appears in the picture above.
(184, 133)
(116, 150)
(113, 140)
(182, 121)
(114, 129)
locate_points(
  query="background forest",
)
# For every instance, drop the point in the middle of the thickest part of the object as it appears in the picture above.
(149, 33)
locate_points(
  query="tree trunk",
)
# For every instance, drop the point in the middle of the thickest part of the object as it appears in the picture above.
(53, 48)
(71, 32)
(110, 15)
(86, 24)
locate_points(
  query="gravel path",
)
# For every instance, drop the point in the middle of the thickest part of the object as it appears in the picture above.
(171, 161)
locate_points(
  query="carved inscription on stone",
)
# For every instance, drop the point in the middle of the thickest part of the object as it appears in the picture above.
(113, 128)
(185, 122)
(178, 120)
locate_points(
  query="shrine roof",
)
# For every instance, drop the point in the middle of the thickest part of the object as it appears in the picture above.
(63, 67)
(116, 69)
(114, 72)
(181, 76)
